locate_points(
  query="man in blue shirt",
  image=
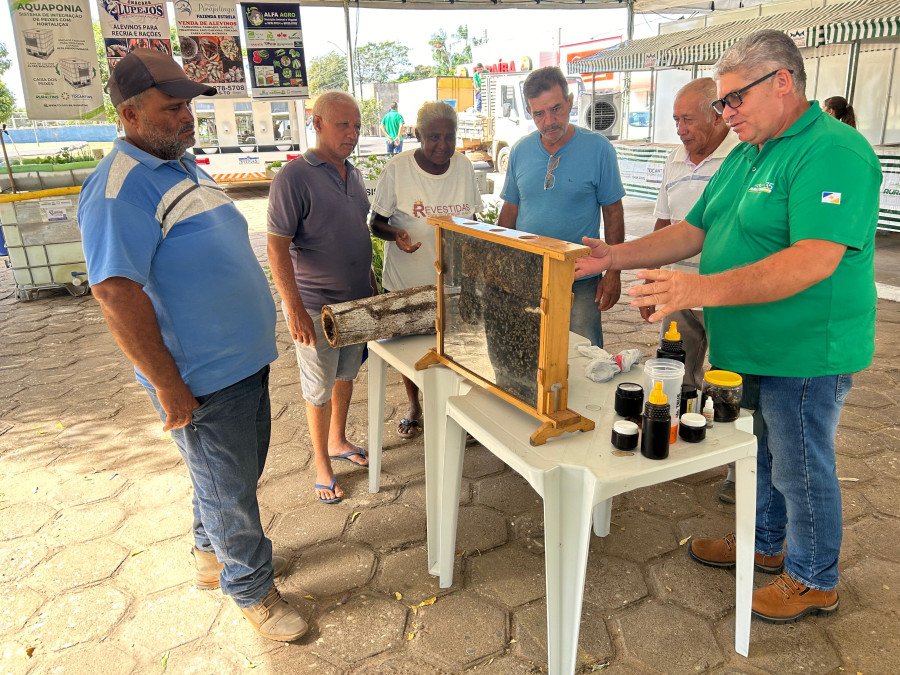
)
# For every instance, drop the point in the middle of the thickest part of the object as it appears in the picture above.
(560, 179)
(170, 263)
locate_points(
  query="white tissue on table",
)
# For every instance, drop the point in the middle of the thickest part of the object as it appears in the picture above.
(603, 366)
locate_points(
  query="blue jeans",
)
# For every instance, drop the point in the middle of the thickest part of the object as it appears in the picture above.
(225, 449)
(798, 496)
(585, 317)
(394, 148)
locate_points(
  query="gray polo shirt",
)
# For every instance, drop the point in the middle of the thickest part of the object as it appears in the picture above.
(325, 219)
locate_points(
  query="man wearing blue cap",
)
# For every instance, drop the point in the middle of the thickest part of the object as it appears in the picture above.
(170, 262)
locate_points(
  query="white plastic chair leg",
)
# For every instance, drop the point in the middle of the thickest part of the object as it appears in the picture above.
(745, 533)
(602, 517)
(568, 494)
(377, 384)
(447, 507)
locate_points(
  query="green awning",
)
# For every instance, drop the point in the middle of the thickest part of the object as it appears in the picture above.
(867, 21)
(841, 22)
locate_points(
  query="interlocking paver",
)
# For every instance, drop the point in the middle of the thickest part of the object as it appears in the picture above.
(77, 565)
(82, 523)
(76, 617)
(406, 572)
(166, 620)
(480, 529)
(530, 633)
(510, 575)
(668, 638)
(23, 519)
(75, 427)
(19, 603)
(331, 569)
(811, 651)
(157, 567)
(389, 526)
(612, 583)
(364, 626)
(869, 643)
(460, 630)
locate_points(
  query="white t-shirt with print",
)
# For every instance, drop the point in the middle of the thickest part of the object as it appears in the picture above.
(408, 196)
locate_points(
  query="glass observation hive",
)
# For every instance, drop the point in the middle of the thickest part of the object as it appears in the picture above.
(504, 298)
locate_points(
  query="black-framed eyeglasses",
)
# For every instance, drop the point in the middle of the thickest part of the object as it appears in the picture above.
(550, 179)
(736, 98)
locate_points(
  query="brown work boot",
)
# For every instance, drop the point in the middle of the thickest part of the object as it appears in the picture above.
(275, 619)
(209, 568)
(723, 553)
(786, 600)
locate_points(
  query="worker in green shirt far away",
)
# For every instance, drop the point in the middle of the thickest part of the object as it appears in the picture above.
(392, 126)
(786, 232)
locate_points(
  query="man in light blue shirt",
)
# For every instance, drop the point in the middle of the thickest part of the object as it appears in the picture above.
(560, 179)
(171, 265)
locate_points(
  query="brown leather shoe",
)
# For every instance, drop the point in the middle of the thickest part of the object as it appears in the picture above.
(786, 600)
(723, 553)
(209, 568)
(275, 619)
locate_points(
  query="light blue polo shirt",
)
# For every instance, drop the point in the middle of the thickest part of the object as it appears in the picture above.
(586, 178)
(167, 226)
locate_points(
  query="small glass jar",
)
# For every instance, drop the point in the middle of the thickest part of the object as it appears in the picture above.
(725, 388)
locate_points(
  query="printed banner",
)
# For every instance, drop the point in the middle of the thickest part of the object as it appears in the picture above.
(130, 24)
(275, 50)
(57, 59)
(211, 45)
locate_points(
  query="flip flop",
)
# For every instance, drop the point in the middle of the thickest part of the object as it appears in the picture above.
(408, 428)
(333, 500)
(345, 456)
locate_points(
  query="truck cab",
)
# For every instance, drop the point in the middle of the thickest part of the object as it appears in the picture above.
(489, 135)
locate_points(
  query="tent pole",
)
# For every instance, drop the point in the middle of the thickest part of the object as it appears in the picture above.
(350, 74)
(626, 84)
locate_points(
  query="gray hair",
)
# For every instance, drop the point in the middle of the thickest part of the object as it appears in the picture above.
(761, 53)
(327, 101)
(705, 88)
(136, 101)
(433, 111)
(544, 79)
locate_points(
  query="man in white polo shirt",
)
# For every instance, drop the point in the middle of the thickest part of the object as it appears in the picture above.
(705, 143)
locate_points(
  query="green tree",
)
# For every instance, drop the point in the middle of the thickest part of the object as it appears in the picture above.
(108, 108)
(451, 51)
(328, 72)
(381, 61)
(370, 116)
(417, 73)
(7, 100)
(176, 45)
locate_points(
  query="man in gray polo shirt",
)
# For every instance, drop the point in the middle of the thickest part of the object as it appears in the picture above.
(320, 253)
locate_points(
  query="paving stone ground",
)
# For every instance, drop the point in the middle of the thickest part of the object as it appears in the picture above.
(95, 517)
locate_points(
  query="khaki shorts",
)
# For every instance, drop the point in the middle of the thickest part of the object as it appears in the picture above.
(322, 365)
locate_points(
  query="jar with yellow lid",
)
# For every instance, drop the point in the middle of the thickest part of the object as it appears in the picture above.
(725, 388)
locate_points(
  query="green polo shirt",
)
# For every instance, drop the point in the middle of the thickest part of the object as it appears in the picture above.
(392, 122)
(818, 180)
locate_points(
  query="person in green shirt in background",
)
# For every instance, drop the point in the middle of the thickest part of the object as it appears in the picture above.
(786, 232)
(476, 85)
(392, 126)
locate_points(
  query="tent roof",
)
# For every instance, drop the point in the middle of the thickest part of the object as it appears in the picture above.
(470, 4)
(841, 22)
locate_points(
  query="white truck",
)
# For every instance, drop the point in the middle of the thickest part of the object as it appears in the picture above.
(488, 135)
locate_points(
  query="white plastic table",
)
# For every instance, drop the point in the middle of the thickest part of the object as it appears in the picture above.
(577, 476)
(438, 384)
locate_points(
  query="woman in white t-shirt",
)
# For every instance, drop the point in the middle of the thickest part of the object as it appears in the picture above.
(432, 180)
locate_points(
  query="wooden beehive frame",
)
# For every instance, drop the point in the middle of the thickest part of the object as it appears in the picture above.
(556, 304)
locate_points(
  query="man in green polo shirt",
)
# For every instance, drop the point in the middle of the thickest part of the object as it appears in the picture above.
(786, 231)
(392, 126)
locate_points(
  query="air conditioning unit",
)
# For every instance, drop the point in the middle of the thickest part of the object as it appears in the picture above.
(601, 113)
